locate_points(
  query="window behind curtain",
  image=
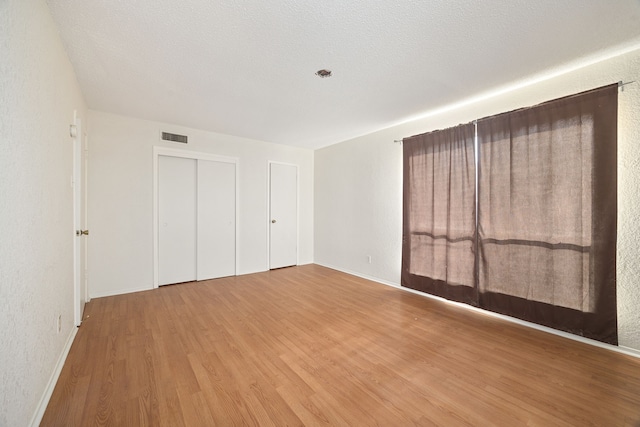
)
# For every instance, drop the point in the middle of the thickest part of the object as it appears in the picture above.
(546, 223)
(547, 213)
(439, 214)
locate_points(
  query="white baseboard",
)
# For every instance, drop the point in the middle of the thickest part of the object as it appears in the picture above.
(364, 276)
(46, 396)
(618, 349)
(629, 351)
(120, 292)
(132, 290)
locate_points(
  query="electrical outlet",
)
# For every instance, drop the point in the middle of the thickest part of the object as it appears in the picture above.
(369, 259)
(59, 324)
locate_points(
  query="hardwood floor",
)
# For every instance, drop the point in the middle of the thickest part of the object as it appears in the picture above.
(313, 346)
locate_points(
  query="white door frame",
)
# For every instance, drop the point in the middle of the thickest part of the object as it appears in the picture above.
(269, 163)
(78, 200)
(85, 201)
(187, 154)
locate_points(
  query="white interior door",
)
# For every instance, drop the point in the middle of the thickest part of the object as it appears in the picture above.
(177, 182)
(283, 207)
(216, 240)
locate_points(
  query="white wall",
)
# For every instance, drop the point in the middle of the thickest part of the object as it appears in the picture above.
(358, 183)
(38, 93)
(120, 206)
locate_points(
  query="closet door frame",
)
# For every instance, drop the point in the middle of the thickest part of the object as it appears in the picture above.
(195, 155)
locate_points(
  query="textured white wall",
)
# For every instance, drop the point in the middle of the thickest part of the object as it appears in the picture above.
(358, 208)
(38, 93)
(120, 206)
(358, 183)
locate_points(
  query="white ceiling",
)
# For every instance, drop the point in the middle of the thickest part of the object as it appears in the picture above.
(247, 67)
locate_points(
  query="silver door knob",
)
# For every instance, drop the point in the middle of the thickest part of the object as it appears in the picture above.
(273, 221)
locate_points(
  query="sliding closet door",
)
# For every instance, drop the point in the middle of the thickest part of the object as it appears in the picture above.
(196, 219)
(216, 219)
(176, 220)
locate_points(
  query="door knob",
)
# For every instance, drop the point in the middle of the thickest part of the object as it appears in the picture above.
(273, 221)
(84, 232)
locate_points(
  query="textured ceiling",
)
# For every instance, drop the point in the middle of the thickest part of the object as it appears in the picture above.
(246, 67)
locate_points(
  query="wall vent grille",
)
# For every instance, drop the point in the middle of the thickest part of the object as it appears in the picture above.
(166, 136)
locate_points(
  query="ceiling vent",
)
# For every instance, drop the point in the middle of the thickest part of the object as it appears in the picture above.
(173, 137)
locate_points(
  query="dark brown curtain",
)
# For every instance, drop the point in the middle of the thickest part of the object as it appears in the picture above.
(547, 214)
(439, 214)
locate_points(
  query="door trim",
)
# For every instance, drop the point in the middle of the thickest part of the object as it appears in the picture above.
(85, 187)
(78, 208)
(195, 155)
(269, 163)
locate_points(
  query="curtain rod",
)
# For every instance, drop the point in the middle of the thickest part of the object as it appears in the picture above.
(622, 84)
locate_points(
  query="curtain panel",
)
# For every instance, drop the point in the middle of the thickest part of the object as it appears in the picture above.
(547, 213)
(439, 214)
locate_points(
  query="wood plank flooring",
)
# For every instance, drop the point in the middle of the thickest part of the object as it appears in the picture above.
(312, 346)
